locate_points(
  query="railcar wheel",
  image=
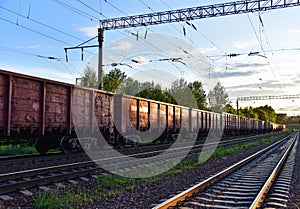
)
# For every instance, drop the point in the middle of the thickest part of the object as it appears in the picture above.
(67, 144)
(133, 140)
(41, 145)
(121, 143)
(172, 138)
(42, 149)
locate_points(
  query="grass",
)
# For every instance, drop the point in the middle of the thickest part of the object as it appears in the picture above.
(106, 186)
(221, 151)
(58, 198)
(110, 185)
(18, 149)
(111, 182)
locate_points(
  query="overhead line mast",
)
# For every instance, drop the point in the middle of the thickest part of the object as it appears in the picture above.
(180, 15)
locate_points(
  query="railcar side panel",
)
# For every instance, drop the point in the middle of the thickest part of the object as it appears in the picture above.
(144, 115)
(103, 108)
(177, 117)
(3, 103)
(163, 117)
(154, 116)
(133, 113)
(185, 118)
(25, 103)
(196, 120)
(170, 110)
(81, 111)
(57, 107)
(126, 115)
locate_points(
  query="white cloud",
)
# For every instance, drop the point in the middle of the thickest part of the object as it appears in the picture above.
(243, 44)
(30, 46)
(90, 31)
(122, 45)
(207, 50)
(294, 31)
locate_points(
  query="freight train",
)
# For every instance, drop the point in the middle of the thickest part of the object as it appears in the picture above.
(51, 112)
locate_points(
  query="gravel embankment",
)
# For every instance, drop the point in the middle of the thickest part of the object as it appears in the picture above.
(144, 195)
(295, 188)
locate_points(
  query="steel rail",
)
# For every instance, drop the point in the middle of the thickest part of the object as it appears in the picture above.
(206, 183)
(60, 172)
(263, 192)
(37, 155)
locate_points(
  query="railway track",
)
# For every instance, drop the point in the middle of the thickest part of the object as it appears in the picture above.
(245, 184)
(278, 195)
(14, 181)
(32, 161)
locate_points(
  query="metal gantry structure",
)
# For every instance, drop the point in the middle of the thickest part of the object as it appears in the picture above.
(183, 15)
(251, 98)
(268, 97)
(200, 12)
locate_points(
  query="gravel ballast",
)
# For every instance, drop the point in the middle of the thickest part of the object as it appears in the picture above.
(146, 195)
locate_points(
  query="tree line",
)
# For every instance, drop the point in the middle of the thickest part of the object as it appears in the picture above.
(180, 92)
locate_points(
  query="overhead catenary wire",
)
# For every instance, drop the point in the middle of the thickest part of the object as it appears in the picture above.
(65, 69)
(77, 11)
(115, 7)
(194, 27)
(3, 48)
(268, 44)
(38, 33)
(40, 23)
(150, 7)
(34, 31)
(261, 46)
(120, 10)
(49, 58)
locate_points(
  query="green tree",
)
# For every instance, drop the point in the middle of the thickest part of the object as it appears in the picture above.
(230, 109)
(248, 112)
(281, 118)
(218, 98)
(266, 113)
(155, 92)
(113, 80)
(181, 94)
(199, 94)
(130, 87)
(90, 77)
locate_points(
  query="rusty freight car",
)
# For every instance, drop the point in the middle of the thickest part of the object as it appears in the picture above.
(51, 113)
(137, 118)
(41, 109)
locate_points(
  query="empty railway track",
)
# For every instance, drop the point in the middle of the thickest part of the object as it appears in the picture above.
(247, 184)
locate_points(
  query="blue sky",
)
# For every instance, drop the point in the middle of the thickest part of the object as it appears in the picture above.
(32, 30)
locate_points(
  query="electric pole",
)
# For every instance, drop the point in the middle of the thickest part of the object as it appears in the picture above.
(100, 58)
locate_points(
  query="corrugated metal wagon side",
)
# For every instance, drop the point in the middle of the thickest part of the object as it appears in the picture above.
(139, 120)
(34, 108)
(44, 111)
(91, 113)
